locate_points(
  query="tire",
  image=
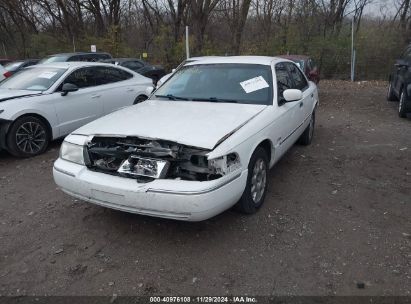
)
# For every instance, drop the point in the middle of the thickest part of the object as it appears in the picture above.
(28, 136)
(390, 93)
(252, 200)
(140, 98)
(402, 105)
(308, 134)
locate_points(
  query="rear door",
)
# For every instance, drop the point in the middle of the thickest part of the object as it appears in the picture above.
(115, 88)
(83, 106)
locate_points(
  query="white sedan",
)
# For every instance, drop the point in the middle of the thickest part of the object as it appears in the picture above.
(48, 101)
(201, 144)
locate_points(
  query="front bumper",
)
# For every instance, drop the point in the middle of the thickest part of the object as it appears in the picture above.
(174, 199)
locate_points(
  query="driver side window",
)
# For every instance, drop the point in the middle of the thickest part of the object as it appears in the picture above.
(283, 81)
(82, 78)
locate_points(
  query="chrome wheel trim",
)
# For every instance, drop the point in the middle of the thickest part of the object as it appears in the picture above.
(258, 180)
(30, 137)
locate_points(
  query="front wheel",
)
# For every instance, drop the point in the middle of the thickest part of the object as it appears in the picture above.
(402, 106)
(256, 187)
(28, 136)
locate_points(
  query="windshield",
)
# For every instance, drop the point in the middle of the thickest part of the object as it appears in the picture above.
(51, 59)
(224, 82)
(13, 66)
(33, 79)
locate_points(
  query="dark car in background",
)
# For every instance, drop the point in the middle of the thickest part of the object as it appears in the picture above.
(399, 87)
(307, 65)
(15, 66)
(79, 56)
(140, 66)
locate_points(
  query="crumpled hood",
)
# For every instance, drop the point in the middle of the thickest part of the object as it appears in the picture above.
(6, 94)
(197, 124)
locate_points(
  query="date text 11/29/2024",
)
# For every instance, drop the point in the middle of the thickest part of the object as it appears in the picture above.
(204, 299)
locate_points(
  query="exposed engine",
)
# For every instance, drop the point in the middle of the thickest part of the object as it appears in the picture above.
(146, 160)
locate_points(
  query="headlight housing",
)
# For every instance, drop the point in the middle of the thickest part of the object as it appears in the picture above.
(72, 153)
(225, 164)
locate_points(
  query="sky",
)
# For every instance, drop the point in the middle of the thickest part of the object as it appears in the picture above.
(381, 7)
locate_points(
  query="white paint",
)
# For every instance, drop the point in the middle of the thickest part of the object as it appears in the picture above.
(254, 84)
(67, 113)
(198, 124)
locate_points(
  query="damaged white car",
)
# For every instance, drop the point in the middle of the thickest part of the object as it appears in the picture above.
(201, 144)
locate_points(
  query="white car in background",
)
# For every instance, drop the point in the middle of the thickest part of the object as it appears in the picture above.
(48, 101)
(202, 143)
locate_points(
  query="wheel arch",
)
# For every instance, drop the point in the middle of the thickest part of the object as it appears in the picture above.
(267, 145)
(42, 118)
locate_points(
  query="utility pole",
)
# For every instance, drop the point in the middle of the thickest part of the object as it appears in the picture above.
(352, 51)
(187, 46)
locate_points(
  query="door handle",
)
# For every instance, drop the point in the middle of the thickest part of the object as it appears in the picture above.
(301, 104)
(95, 96)
(130, 90)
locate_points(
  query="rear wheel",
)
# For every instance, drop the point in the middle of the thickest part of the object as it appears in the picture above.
(256, 187)
(28, 136)
(402, 106)
(390, 93)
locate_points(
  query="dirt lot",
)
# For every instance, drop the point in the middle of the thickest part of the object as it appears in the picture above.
(337, 220)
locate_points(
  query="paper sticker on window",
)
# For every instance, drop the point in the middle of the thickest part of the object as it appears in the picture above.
(254, 84)
(47, 75)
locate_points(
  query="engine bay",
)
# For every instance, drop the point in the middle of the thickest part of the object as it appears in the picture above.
(146, 160)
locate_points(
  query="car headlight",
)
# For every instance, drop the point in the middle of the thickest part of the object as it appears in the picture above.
(73, 153)
(225, 164)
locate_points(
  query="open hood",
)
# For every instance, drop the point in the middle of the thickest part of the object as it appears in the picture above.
(197, 124)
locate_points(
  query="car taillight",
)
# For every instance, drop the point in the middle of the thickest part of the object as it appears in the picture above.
(7, 74)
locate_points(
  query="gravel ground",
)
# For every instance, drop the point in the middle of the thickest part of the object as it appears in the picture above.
(336, 221)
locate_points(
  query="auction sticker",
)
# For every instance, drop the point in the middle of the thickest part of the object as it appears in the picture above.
(254, 84)
(47, 75)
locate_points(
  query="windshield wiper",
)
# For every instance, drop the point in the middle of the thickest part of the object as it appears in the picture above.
(215, 99)
(171, 97)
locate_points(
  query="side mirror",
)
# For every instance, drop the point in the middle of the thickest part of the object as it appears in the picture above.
(68, 87)
(292, 95)
(173, 70)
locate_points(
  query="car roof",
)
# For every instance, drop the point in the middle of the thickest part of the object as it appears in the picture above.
(125, 59)
(71, 64)
(294, 57)
(263, 60)
(76, 53)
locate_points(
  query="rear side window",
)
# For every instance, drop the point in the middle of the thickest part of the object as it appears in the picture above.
(298, 78)
(106, 75)
(284, 81)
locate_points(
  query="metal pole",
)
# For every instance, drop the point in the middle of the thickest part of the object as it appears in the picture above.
(352, 49)
(4, 50)
(74, 45)
(187, 46)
